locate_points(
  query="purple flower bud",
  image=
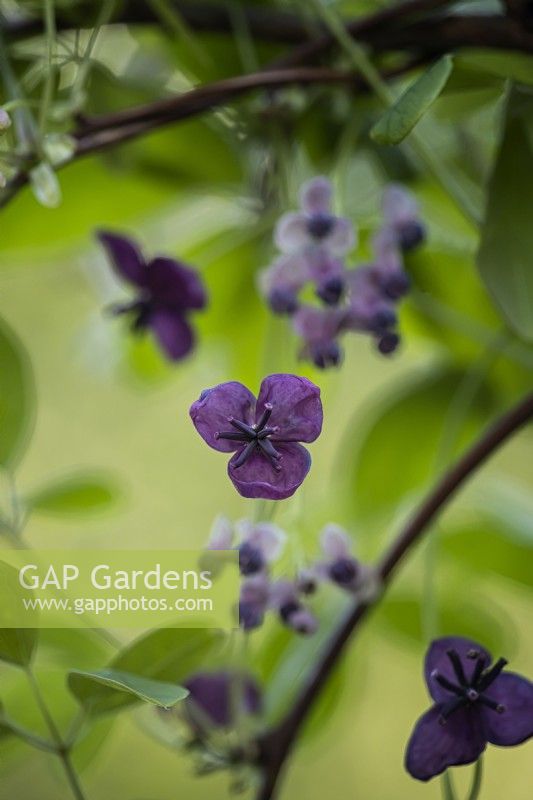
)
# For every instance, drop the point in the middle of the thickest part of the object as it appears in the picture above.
(251, 615)
(211, 702)
(283, 301)
(401, 213)
(320, 225)
(325, 354)
(250, 559)
(253, 601)
(343, 571)
(331, 290)
(411, 235)
(303, 622)
(388, 343)
(307, 582)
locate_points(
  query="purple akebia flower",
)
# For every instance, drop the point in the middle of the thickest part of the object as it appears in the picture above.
(264, 435)
(388, 265)
(369, 310)
(319, 328)
(212, 699)
(284, 598)
(254, 600)
(315, 225)
(282, 281)
(475, 703)
(260, 544)
(401, 214)
(167, 292)
(341, 567)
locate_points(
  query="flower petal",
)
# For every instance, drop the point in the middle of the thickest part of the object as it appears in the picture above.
(211, 412)
(335, 542)
(297, 408)
(341, 239)
(515, 725)
(173, 332)
(211, 697)
(315, 196)
(221, 534)
(258, 478)
(434, 747)
(399, 205)
(292, 234)
(125, 256)
(437, 659)
(267, 537)
(172, 283)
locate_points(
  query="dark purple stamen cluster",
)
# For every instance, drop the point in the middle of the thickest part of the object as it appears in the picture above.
(469, 690)
(253, 437)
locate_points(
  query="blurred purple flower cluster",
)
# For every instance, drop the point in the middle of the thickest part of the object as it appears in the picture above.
(314, 244)
(260, 544)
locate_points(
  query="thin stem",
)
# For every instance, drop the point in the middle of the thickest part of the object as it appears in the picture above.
(61, 749)
(416, 142)
(448, 791)
(477, 780)
(48, 92)
(276, 744)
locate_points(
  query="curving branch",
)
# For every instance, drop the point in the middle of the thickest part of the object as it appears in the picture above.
(276, 744)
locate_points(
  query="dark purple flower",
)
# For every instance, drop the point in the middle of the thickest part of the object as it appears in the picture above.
(315, 225)
(167, 291)
(253, 601)
(319, 329)
(211, 702)
(340, 566)
(401, 214)
(260, 544)
(263, 434)
(475, 703)
(284, 598)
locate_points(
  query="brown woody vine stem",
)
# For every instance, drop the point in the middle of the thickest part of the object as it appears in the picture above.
(276, 744)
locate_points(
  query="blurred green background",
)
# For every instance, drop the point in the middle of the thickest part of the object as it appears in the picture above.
(109, 414)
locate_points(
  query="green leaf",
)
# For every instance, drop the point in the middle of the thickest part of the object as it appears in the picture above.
(400, 119)
(505, 253)
(77, 494)
(16, 397)
(440, 411)
(400, 614)
(16, 645)
(92, 689)
(169, 655)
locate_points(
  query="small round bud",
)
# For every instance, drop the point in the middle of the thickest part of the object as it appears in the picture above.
(250, 559)
(411, 235)
(251, 615)
(396, 285)
(283, 301)
(388, 343)
(331, 291)
(326, 354)
(343, 571)
(320, 225)
(5, 120)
